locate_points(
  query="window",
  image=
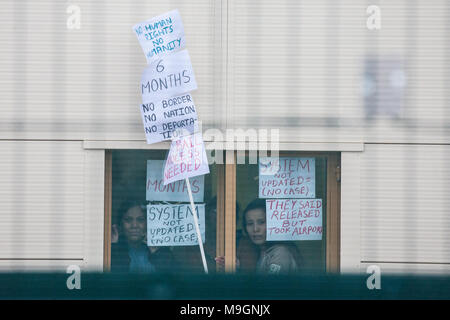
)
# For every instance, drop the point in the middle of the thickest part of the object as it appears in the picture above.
(221, 198)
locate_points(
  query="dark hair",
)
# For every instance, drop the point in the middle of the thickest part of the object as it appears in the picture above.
(261, 204)
(128, 204)
(255, 204)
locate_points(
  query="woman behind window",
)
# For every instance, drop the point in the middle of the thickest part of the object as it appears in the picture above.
(130, 253)
(274, 257)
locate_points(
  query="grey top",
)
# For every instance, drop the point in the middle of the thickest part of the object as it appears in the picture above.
(278, 259)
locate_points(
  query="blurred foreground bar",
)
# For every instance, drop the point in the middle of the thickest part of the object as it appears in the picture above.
(218, 287)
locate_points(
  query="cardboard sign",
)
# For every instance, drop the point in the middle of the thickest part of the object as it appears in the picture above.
(176, 191)
(287, 177)
(294, 219)
(168, 77)
(173, 225)
(163, 116)
(187, 158)
(161, 35)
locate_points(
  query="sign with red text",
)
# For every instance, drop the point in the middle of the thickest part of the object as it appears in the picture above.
(287, 177)
(187, 158)
(173, 225)
(161, 117)
(156, 190)
(168, 77)
(161, 35)
(293, 219)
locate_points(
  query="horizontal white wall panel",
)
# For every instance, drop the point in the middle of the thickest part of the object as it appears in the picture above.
(42, 191)
(39, 265)
(299, 66)
(405, 203)
(59, 83)
(294, 65)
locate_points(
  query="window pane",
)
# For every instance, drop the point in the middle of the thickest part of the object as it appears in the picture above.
(152, 224)
(289, 237)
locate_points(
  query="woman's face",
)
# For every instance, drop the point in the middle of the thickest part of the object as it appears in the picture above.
(134, 225)
(255, 221)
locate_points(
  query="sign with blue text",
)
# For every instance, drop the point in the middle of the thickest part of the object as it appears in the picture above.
(161, 35)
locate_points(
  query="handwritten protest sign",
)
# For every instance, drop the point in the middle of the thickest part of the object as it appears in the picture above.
(176, 191)
(294, 219)
(173, 225)
(167, 77)
(161, 35)
(287, 177)
(163, 116)
(187, 158)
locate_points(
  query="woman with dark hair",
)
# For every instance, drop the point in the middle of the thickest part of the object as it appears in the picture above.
(277, 257)
(131, 253)
(274, 257)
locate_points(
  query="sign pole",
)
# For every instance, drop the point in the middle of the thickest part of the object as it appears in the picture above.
(199, 236)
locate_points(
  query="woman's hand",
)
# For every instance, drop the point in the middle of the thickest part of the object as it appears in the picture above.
(220, 262)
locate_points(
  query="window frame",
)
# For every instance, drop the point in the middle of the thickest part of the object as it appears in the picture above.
(226, 208)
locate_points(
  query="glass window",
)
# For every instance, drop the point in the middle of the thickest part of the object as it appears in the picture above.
(281, 227)
(152, 226)
(283, 210)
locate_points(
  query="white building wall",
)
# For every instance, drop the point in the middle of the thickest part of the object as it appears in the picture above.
(300, 65)
(405, 206)
(350, 246)
(84, 84)
(51, 213)
(394, 210)
(296, 66)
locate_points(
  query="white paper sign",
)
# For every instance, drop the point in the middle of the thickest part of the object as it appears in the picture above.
(294, 219)
(168, 77)
(176, 191)
(287, 177)
(173, 225)
(161, 35)
(163, 116)
(187, 158)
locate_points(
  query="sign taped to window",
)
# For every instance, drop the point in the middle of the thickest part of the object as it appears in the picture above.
(294, 219)
(173, 225)
(287, 177)
(175, 191)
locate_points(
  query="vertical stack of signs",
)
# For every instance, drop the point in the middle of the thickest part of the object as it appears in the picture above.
(288, 185)
(169, 113)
